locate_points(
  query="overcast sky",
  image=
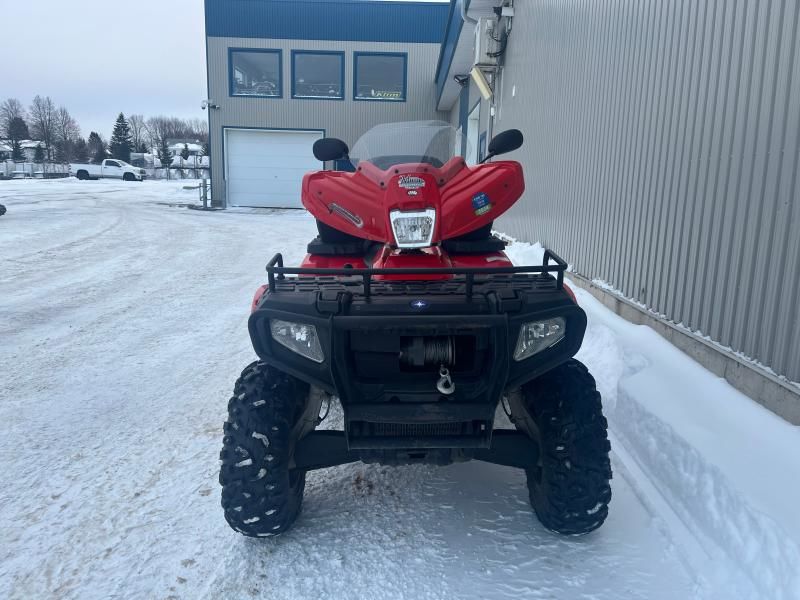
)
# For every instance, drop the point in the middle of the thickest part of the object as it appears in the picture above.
(98, 58)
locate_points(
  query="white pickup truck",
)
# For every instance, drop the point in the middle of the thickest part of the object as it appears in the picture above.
(110, 168)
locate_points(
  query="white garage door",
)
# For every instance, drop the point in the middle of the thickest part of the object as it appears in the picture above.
(266, 168)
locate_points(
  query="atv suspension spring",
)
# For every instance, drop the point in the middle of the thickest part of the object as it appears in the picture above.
(430, 351)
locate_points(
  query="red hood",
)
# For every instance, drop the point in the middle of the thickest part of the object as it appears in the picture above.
(465, 198)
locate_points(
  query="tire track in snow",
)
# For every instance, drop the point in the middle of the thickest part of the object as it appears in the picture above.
(110, 454)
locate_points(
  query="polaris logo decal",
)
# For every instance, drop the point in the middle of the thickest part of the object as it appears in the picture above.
(419, 304)
(411, 182)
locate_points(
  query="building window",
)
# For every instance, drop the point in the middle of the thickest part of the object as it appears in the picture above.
(317, 75)
(255, 73)
(379, 77)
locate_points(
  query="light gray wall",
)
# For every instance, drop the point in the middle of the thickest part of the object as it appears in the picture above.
(662, 156)
(347, 119)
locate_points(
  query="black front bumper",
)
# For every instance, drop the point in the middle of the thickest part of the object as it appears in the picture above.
(362, 324)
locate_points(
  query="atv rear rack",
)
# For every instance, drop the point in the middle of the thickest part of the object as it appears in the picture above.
(276, 270)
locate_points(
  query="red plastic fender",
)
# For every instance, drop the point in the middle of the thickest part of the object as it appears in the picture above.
(257, 298)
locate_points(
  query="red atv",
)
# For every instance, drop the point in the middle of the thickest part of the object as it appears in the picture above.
(408, 311)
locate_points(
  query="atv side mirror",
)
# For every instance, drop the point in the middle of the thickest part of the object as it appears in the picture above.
(330, 149)
(506, 141)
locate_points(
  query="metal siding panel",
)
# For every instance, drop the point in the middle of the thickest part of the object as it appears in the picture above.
(785, 285)
(758, 122)
(703, 227)
(719, 195)
(660, 142)
(662, 156)
(738, 201)
(757, 334)
(635, 118)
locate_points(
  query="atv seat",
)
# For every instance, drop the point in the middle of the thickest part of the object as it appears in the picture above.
(481, 246)
(354, 247)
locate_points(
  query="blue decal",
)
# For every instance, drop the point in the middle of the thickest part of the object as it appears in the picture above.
(481, 204)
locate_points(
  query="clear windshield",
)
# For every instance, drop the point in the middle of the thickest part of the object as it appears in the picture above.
(430, 142)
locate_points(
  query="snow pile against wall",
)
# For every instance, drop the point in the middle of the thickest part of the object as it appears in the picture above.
(728, 468)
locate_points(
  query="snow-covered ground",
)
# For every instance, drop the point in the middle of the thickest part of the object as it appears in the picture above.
(122, 328)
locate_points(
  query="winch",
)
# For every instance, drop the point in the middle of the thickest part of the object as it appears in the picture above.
(428, 351)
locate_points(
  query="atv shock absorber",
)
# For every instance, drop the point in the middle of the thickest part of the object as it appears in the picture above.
(428, 351)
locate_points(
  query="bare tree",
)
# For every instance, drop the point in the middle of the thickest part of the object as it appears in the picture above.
(67, 129)
(155, 129)
(199, 129)
(43, 123)
(138, 130)
(10, 108)
(66, 134)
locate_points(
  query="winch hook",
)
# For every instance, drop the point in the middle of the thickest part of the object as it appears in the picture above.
(445, 384)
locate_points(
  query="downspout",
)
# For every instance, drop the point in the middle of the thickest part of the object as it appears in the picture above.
(465, 13)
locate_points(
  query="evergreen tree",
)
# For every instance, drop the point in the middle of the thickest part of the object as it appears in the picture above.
(17, 154)
(206, 150)
(121, 144)
(100, 155)
(80, 151)
(64, 151)
(165, 156)
(38, 155)
(185, 152)
(95, 145)
(17, 129)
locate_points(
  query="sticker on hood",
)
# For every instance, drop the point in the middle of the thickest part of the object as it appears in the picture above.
(481, 204)
(411, 182)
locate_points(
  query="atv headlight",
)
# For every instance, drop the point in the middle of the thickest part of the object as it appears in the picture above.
(297, 337)
(413, 229)
(539, 335)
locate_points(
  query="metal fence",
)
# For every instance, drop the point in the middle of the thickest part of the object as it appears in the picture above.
(11, 169)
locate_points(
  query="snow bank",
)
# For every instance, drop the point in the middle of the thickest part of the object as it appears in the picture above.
(727, 467)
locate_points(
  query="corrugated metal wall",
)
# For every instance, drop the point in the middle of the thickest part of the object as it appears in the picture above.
(662, 155)
(346, 119)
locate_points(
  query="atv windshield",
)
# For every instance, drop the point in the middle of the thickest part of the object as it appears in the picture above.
(390, 144)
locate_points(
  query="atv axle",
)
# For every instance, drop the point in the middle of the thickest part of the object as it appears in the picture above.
(323, 449)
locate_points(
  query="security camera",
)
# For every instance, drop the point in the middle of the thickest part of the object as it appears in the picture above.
(208, 104)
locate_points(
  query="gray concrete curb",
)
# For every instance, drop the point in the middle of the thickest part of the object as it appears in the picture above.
(772, 392)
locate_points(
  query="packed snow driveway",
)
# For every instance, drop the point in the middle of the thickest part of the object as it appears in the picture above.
(122, 328)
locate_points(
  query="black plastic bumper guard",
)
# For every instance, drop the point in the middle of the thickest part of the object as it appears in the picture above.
(340, 301)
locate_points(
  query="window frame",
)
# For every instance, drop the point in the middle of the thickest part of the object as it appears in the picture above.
(339, 53)
(276, 51)
(403, 55)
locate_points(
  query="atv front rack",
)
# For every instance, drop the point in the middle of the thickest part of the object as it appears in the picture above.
(276, 270)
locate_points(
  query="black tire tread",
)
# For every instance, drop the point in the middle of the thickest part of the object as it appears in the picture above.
(258, 498)
(572, 493)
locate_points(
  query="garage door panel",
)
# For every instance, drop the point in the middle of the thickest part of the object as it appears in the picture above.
(266, 168)
(249, 162)
(262, 188)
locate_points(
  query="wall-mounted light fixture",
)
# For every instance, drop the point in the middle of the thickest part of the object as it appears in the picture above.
(483, 85)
